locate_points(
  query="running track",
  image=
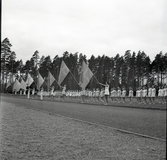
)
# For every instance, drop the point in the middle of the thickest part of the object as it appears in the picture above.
(141, 121)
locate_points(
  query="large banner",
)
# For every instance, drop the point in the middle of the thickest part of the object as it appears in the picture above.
(63, 72)
(86, 75)
(29, 80)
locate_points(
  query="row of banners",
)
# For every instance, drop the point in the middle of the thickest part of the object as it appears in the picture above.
(86, 75)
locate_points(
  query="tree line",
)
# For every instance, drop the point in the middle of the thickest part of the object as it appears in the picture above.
(130, 70)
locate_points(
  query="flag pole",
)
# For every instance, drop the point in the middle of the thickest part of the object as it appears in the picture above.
(45, 82)
(57, 83)
(54, 78)
(74, 77)
(39, 75)
(95, 77)
(35, 84)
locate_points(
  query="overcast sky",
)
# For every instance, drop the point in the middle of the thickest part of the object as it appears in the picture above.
(91, 27)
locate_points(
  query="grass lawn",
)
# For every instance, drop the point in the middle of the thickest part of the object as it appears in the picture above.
(29, 134)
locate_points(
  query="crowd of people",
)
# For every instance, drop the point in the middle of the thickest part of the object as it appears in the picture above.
(142, 95)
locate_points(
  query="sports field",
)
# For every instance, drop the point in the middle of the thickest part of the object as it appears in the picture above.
(30, 131)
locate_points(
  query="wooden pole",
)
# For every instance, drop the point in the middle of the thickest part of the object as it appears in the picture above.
(74, 78)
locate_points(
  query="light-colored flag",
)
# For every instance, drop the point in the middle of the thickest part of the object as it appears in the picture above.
(86, 75)
(63, 72)
(29, 80)
(16, 86)
(50, 78)
(40, 81)
(23, 84)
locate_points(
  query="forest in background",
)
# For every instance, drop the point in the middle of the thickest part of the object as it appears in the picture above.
(130, 70)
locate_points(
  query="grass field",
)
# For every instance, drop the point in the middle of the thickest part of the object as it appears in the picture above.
(29, 134)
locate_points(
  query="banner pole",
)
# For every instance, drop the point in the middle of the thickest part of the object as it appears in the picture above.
(74, 78)
(95, 77)
(54, 78)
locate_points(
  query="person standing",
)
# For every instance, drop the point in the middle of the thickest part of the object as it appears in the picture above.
(144, 95)
(106, 91)
(41, 94)
(165, 94)
(150, 94)
(28, 94)
(115, 95)
(130, 94)
(24, 92)
(63, 92)
(101, 94)
(33, 93)
(83, 91)
(118, 95)
(94, 94)
(52, 93)
(153, 94)
(21, 92)
(160, 94)
(140, 94)
(123, 94)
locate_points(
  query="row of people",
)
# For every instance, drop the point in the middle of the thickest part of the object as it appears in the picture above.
(116, 95)
(142, 94)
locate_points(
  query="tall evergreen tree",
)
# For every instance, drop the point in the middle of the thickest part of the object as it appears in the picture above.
(159, 67)
(117, 66)
(5, 54)
(11, 62)
(132, 72)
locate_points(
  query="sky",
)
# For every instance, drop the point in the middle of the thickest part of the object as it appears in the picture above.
(91, 27)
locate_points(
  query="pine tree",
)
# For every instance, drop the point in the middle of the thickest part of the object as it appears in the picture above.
(5, 55)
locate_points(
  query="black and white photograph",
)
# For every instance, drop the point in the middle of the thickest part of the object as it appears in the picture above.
(83, 80)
